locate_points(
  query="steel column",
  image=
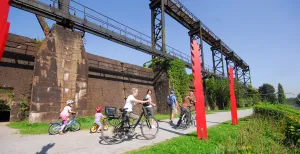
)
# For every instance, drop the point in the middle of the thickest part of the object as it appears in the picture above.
(158, 38)
(247, 77)
(194, 35)
(217, 56)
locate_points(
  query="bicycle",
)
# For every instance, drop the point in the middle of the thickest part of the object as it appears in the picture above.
(106, 122)
(187, 122)
(111, 119)
(125, 129)
(55, 127)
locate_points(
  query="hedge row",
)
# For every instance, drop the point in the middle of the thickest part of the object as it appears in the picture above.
(289, 116)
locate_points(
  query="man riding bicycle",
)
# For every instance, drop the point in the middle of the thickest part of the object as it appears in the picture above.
(188, 101)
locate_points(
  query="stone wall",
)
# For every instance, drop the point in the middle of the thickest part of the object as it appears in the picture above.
(60, 74)
(109, 81)
(16, 72)
(111, 88)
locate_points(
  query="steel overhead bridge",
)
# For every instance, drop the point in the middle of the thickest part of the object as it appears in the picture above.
(88, 20)
(181, 14)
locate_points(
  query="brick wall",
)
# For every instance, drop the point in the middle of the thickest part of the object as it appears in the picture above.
(109, 81)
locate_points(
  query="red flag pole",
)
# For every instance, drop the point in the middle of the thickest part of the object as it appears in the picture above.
(198, 83)
(234, 117)
(3, 37)
(4, 25)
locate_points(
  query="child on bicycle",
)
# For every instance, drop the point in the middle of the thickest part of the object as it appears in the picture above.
(98, 117)
(64, 115)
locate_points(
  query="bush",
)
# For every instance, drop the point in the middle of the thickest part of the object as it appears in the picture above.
(289, 117)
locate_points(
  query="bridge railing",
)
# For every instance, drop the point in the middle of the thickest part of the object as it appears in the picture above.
(108, 23)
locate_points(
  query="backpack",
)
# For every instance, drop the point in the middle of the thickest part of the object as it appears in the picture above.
(169, 100)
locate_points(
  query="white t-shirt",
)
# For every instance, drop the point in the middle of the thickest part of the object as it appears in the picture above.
(149, 98)
(66, 111)
(129, 103)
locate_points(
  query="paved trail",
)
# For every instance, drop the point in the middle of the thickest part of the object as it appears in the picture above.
(83, 142)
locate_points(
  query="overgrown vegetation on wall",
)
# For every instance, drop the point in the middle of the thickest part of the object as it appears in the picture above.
(217, 89)
(179, 79)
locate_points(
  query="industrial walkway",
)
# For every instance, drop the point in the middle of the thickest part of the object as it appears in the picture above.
(82, 142)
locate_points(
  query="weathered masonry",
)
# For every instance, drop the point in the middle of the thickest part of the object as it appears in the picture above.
(48, 73)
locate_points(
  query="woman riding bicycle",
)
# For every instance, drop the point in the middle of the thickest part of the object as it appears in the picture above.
(130, 102)
(188, 101)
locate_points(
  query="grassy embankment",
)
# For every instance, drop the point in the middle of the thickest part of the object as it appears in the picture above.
(272, 129)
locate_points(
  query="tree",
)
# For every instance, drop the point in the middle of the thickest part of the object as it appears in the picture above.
(281, 95)
(267, 93)
(297, 99)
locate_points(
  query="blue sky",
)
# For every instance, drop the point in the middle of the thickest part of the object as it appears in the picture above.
(263, 33)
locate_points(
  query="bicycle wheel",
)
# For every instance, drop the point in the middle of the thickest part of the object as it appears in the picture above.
(94, 128)
(114, 121)
(113, 135)
(75, 126)
(194, 120)
(149, 128)
(54, 129)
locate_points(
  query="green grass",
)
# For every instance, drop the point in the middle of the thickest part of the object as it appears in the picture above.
(251, 135)
(27, 128)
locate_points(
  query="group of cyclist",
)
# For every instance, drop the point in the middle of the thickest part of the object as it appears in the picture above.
(188, 101)
(130, 102)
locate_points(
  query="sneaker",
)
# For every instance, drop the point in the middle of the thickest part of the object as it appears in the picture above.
(171, 122)
(153, 126)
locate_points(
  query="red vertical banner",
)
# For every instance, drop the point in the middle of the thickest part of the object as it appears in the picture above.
(198, 84)
(234, 117)
(4, 25)
(3, 37)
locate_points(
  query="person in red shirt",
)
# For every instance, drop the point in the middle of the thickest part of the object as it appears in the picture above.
(188, 101)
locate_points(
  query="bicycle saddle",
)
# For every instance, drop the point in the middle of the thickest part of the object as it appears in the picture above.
(123, 109)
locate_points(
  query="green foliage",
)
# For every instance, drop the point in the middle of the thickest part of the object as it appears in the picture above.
(281, 96)
(297, 99)
(240, 91)
(253, 96)
(252, 135)
(4, 106)
(285, 114)
(217, 91)
(290, 101)
(39, 42)
(267, 93)
(180, 80)
(24, 109)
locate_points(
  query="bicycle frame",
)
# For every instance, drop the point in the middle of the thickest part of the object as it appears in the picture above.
(127, 120)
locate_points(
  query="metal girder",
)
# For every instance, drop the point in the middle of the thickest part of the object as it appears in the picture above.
(217, 56)
(247, 77)
(229, 63)
(158, 38)
(238, 73)
(194, 35)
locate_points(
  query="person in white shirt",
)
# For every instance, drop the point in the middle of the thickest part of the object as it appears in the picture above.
(148, 106)
(131, 101)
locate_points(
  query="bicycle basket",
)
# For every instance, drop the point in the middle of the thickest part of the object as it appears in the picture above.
(110, 111)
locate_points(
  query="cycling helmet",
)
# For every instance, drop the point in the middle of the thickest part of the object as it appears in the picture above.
(98, 109)
(69, 102)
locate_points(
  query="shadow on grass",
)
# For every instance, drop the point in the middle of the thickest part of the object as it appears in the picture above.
(46, 148)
